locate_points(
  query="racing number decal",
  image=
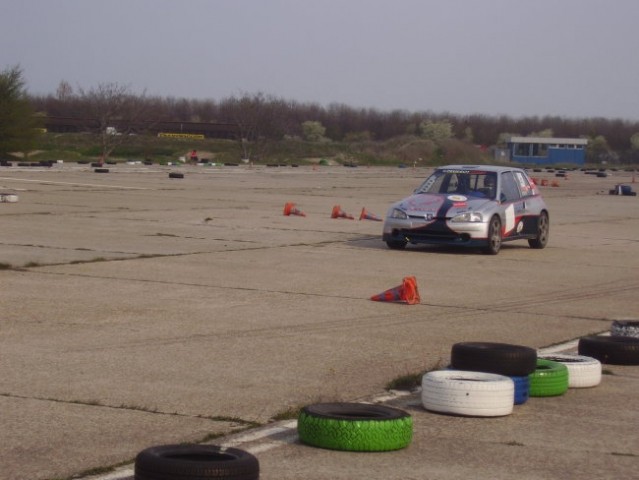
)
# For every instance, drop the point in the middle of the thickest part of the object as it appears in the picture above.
(510, 218)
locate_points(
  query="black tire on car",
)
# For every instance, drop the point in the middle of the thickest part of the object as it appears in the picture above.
(355, 427)
(610, 350)
(502, 358)
(494, 236)
(543, 232)
(195, 462)
(396, 244)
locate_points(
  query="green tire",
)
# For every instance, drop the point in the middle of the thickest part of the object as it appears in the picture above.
(549, 379)
(355, 427)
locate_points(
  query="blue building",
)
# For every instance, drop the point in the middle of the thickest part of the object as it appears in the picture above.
(547, 150)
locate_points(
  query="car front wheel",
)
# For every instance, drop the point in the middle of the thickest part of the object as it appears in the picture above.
(396, 244)
(543, 232)
(494, 236)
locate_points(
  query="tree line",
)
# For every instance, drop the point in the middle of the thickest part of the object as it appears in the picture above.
(266, 118)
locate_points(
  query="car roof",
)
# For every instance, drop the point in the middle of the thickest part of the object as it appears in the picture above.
(486, 168)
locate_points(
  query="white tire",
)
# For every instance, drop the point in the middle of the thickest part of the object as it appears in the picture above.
(475, 394)
(583, 371)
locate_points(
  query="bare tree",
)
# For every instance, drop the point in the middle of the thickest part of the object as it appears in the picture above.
(115, 112)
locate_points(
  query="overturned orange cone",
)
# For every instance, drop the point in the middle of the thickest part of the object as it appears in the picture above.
(291, 209)
(405, 293)
(339, 213)
(368, 216)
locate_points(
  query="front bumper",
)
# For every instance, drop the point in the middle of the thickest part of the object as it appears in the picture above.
(438, 231)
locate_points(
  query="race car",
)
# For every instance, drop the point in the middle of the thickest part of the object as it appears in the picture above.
(472, 206)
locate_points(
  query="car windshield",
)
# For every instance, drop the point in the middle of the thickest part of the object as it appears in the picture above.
(474, 183)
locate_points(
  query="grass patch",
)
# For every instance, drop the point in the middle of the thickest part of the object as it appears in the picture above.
(290, 413)
(32, 265)
(6, 266)
(407, 382)
(605, 371)
(411, 381)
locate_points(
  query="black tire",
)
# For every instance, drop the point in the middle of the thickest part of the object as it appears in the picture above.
(610, 350)
(195, 462)
(357, 427)
(396, 244)
(176, 175)
(501, 358)
(494, 236)
(543, 232)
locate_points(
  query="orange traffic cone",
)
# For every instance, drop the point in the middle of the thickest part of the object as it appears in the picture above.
(339, 213)
(368, 216)
(291, 209)
(404, 293)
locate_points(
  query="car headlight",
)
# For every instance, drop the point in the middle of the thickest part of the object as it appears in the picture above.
(400, 214)
(468, 217)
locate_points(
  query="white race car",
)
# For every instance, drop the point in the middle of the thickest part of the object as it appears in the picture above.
(473, 206)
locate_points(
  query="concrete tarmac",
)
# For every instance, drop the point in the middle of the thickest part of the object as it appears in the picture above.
(141, 310)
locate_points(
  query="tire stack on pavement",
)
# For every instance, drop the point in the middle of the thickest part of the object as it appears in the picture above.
(476, 384)
(486, 379)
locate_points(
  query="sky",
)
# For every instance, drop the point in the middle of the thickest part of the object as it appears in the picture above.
(568, 58)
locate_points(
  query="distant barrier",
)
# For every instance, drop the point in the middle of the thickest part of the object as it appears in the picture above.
(198, 136)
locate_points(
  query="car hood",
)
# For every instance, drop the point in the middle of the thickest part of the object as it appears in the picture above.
(441, 205)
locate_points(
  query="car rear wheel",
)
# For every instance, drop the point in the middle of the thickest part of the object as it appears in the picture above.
(396, 244)
(543, 232)
(494, 236)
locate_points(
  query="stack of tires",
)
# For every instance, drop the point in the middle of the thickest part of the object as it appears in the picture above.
(485, 380)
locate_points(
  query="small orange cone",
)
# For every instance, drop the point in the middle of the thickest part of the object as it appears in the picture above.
(405, 293)
(291, 209)
(368, 216)
(339, 213)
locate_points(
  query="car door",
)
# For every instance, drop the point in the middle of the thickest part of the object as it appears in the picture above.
(513, 204)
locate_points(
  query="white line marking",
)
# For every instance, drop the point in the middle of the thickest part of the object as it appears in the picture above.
(47, 182)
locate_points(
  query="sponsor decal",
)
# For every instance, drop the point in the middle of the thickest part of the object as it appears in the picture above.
(422, 203)
(520, 226)
(181, 135)
(459, 204)
(457, 198)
